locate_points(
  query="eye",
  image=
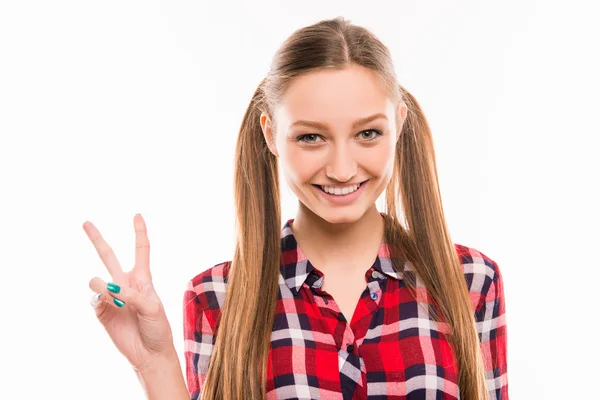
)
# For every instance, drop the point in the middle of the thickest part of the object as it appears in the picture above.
(310, 136)
(374, 134)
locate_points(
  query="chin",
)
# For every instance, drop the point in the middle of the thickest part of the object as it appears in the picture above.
(341, 215)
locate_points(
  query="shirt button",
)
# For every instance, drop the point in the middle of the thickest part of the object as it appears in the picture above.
(376, 275)
(374, 296)
(350, 348)
(318, 283)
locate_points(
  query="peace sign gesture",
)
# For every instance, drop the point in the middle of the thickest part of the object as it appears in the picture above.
(128, 306)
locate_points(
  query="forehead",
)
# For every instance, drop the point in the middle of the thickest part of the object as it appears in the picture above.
(334, 96)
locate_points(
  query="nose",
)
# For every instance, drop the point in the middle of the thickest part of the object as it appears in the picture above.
(341, 165)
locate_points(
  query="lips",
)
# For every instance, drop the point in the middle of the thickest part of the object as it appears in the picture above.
(321, 187)
(329, 194)
(343, 199)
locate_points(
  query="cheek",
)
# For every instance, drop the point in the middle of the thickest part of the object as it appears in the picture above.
(379, 160)
(387, 159)
(299, 166)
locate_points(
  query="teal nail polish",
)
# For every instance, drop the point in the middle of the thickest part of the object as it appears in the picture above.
(119, 302)
(113, 287)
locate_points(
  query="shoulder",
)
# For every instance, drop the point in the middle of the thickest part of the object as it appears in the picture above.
(482, 274)
(205, 292)
(210, 285)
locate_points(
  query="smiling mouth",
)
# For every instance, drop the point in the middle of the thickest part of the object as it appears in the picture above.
(321, 187)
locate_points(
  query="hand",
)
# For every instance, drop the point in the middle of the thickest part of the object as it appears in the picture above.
(139, 328)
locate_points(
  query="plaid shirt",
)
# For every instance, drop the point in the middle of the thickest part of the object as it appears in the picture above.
(391, 349)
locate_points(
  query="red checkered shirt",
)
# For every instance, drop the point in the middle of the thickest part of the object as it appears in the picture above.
(391, 349)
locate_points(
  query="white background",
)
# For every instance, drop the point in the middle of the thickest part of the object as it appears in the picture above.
(117, 107)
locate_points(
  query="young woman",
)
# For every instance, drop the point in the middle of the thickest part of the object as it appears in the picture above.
(343, 301)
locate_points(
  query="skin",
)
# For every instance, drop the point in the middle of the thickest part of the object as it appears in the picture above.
(342, 241)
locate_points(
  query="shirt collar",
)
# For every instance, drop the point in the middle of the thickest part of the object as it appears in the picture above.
(297, 269)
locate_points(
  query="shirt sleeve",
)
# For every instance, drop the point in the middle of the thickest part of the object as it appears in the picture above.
(198, 341)
(491, 327)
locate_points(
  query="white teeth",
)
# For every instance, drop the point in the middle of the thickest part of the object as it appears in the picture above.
(340, 191)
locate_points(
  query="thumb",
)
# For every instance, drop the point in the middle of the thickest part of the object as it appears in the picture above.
(104, 310)
(101, 301)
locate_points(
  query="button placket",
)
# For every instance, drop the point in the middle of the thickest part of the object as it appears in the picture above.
(375, 284)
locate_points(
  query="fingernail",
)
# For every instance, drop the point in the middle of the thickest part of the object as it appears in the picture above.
(95, 299)
(119, 302)
(113, 287)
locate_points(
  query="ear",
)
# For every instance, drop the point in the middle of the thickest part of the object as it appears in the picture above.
(402, 111)
(267, 130)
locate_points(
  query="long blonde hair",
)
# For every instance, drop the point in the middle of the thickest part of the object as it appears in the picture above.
(238, 363)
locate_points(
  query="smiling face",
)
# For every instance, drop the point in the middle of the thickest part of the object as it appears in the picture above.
(336, 129)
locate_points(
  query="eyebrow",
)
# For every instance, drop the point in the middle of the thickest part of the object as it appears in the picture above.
(357, 123)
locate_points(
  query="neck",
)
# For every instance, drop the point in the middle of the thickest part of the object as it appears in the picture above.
(334, 243)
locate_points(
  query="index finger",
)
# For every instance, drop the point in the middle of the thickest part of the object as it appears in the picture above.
(105, 252)
(142, 247)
